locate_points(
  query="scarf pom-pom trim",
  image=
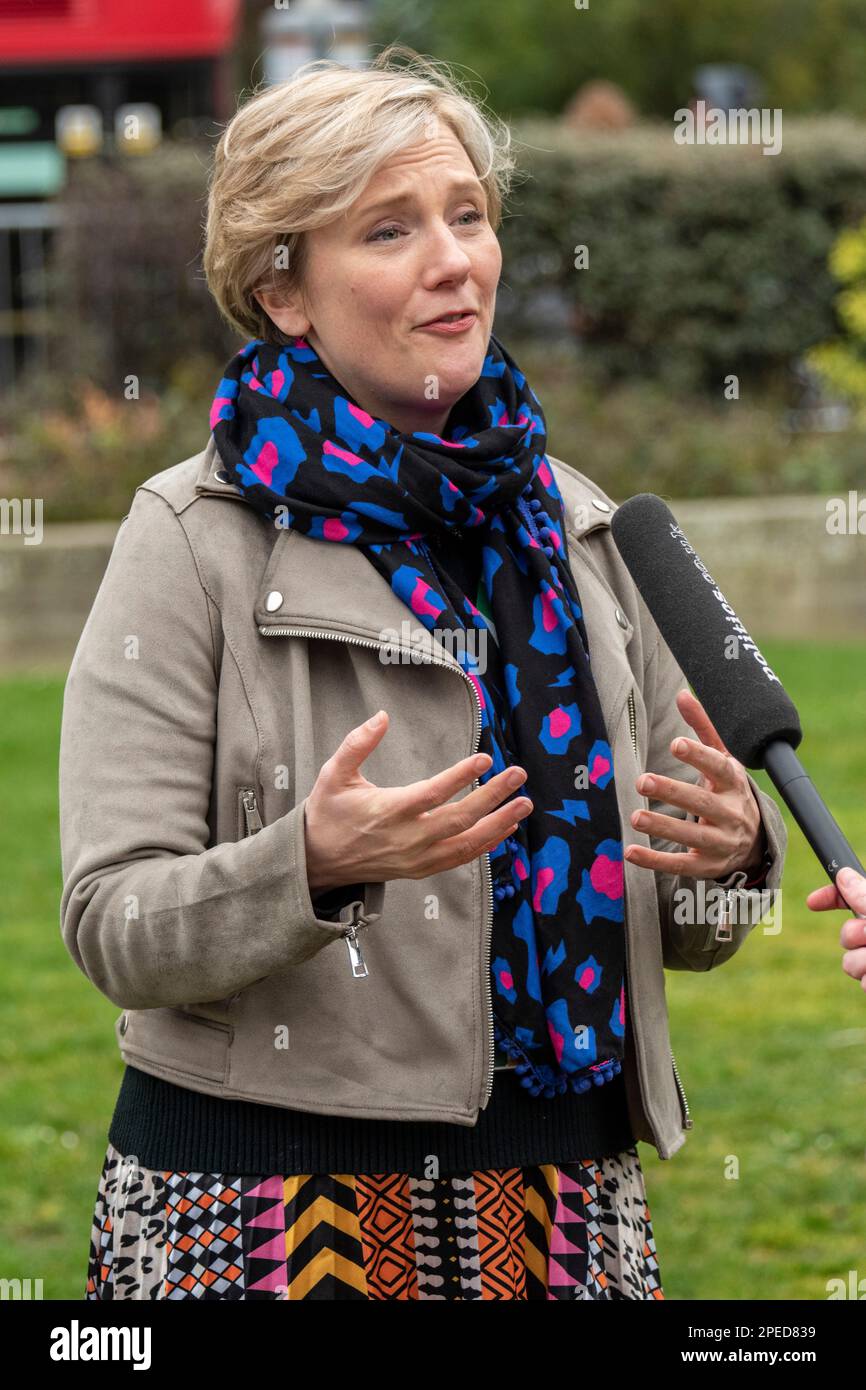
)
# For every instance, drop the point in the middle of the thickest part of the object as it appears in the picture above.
(599, 1073)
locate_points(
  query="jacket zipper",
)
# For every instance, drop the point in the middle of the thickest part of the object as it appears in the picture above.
(688, 1123)
(485, 863)
(488, 994)
(687, 1120)
(251, 811)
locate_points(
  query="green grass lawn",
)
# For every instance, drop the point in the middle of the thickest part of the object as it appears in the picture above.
(771, 1047)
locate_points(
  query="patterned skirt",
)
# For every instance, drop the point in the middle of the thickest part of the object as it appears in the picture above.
(578, 1230)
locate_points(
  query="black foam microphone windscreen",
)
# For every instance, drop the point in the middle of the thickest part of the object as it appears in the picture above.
(743, 697)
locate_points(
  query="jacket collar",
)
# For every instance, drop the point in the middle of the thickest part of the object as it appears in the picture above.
(301, 592)
(334, 601)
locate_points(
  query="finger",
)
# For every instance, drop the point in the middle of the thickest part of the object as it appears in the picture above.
(854, 963)
(432, 796)
(853, 933)
(477, 831)
(691, 797)
(852, 887)
(426, 795)
(825, 899)
(682, 832)
(692, 865)
(697, 718)
(461, 815)
(469, 844)
(345, 762)
(721, 768)
(498, 837)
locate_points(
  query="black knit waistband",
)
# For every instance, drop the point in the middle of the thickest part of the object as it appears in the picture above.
(172, 1128)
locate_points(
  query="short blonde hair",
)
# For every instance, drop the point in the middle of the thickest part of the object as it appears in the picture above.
(299, 153)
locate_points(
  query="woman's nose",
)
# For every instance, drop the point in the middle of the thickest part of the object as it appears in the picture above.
(444, 257)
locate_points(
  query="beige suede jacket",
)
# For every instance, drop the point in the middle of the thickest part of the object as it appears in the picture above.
(222, 662)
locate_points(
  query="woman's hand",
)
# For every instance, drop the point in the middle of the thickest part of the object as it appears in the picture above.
(853, 934)
(356, 832)
(729, 834)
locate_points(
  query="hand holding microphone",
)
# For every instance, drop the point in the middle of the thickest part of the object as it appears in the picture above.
(853, 933)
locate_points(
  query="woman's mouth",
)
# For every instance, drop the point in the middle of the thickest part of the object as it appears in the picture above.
(450, 323)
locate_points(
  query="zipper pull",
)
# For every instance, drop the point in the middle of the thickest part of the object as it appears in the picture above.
(251, 813)
(724, 926)
(356, 957)
(353, 914)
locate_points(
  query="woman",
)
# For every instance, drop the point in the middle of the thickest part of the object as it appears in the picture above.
(344, 800)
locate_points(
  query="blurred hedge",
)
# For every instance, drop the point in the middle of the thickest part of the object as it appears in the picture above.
(136, 345)
(639, 436)
(126, 280)
(703, 260)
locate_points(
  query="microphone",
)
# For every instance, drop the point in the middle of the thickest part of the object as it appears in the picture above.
(754, 716)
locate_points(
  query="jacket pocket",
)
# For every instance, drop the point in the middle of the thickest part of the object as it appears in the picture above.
(161, 1036)
(249, 822)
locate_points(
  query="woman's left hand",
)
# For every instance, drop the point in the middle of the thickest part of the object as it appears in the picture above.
(729, 834)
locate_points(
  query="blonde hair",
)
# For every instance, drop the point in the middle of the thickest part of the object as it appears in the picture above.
(299, 153)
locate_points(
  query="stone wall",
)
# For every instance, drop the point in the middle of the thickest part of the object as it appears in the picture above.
(773, 558)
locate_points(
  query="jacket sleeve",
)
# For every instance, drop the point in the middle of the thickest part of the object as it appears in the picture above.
(695, 946)
(149, 913)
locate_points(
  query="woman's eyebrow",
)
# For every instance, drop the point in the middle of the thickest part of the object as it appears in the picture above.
(400, 199)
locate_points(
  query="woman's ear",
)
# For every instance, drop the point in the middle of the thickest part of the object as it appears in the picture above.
(286, 311)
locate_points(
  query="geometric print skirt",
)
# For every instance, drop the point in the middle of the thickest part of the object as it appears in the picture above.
(576, 1230)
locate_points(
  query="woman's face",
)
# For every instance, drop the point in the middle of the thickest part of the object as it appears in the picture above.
(414, 245)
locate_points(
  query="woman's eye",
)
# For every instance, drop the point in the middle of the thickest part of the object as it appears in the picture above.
(381, 235)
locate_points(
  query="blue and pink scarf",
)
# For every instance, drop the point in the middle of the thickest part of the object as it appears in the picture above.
(291, 437)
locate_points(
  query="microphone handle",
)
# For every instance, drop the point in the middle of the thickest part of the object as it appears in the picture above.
(797, 790)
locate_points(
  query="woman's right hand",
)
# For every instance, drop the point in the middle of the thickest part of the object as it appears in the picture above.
(356, 832)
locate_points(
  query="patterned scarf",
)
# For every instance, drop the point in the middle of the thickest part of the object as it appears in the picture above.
(292, 438)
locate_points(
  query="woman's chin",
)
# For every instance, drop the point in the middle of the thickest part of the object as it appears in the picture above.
(456, 370)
